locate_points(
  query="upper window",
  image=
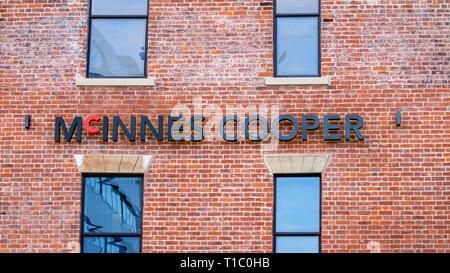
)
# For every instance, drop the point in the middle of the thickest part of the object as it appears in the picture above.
(297, 34)
(112, 214)
(297, 214)
(117, 39)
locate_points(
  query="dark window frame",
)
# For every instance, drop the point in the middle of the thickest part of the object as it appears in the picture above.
(84, 234)
(276, 234)
(275, 39)
(88, 55)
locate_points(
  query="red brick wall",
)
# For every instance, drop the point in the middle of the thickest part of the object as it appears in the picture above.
(390, 190)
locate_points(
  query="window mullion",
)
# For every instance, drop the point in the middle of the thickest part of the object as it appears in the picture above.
(118, 17)
(296, 14)
(111, 234)
(296, 234)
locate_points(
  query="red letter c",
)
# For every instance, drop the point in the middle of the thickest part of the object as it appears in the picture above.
(87, 124)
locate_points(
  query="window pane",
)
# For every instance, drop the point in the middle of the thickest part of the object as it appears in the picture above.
(119, 7)
(111, 245)
(298, 204)
(117, 48)
(297, 46)
(298, 6)
(297, 244)
(112, 205)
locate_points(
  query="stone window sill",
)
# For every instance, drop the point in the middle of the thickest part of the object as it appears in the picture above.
(297, 81)
(115, 81)
(113, 163)
(296, 163)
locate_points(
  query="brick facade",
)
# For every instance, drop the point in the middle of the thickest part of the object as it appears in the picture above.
(389, 192)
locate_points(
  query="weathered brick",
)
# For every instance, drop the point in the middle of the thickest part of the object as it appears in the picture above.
(389, 191)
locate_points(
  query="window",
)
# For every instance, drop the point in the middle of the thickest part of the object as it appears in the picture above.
(111, 214)
(117, 44)
(297, 214)
(296, 39)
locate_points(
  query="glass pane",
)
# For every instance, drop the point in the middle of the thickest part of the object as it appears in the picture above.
(297, 244)
(298, 204)
(298, 6)
(112, 205)
(111, 244)
(297, 46)
(119, 7)
(117, 48)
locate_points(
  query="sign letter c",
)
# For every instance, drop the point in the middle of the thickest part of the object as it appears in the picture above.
(87, 124)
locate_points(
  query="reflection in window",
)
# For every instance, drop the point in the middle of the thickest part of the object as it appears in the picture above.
(112, 214)
(297, 38)
(117, 38)
(297, 49)
(113, 205)
(117, 48)
(111, 245)
(297, 214)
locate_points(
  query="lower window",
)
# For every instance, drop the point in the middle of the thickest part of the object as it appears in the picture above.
(111, 214)
(297, 214)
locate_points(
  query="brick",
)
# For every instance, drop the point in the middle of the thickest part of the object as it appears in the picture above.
(388, 193)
